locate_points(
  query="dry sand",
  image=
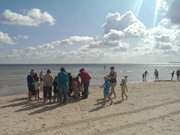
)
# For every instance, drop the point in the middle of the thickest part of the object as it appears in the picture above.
(152, 109)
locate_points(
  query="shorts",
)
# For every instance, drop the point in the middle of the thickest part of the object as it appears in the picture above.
(31, 89)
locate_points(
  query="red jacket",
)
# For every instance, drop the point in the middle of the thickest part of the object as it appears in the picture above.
(85, 77)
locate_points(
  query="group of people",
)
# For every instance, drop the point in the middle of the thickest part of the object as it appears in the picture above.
(156, 75)
(177, 74)
(63, 86)
(60, 87)
(110, 82)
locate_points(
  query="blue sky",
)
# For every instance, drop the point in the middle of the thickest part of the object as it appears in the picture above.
(72, 18)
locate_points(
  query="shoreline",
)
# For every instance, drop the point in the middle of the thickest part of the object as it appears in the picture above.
(92, 87)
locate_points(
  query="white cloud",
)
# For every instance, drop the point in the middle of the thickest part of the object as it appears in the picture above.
(6, 39)
(33, 17)
(127, 23)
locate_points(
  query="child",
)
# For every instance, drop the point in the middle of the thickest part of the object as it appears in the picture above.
(124, 88)
(36, 86)
(106, 86)
(55, 90)
(76, 87)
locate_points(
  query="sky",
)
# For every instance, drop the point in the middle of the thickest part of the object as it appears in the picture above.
(89, 31)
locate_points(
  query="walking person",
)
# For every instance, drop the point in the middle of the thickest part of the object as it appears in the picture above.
(106, 91)
(156, 74)
(178, 74)
(145, 75)
(113, 80)
(172, 75)
(30, 84)
(85, 81)
(48, 83)
(63, 85)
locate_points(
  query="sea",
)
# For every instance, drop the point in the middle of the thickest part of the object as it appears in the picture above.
(13, 76)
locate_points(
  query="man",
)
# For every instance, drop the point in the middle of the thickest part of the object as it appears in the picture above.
(85, 81)
(30, 84)
(113, 80)
(48, 83)
(63, 84)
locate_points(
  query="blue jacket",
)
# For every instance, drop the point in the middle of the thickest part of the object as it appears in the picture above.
(30, 80)
(63, 81)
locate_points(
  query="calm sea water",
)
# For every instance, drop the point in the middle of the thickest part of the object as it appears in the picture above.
(13, 77)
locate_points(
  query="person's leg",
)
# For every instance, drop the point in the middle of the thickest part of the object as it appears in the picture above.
(86, 89)
(59, 95)
(113, 89)
(44, 94)
(65, 95)
(50, 94)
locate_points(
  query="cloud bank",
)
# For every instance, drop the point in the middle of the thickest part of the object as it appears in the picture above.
(125, 40)
(33, 17)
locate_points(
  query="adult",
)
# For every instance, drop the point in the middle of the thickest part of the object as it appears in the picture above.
(113, 80)
(41, 77)
(145, 75)
(30, 84)
(178, 74)
(70, 85)
(63, 84)
(85, 81)
(48, 83)
(156, 74)
(172, 75)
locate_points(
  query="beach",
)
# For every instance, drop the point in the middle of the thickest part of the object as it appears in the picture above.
(152, 108)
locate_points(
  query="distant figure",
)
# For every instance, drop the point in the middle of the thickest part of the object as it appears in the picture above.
(106, 91)
(156, 75)
(178, 74)
(124, 88)
(70, 85)
(113, 80)
(36, 86)
(55, 90)
(48, 83)
(30, 84)
(85, 81)
(172, 75)
(76, 87)
(63, 85)
(41, 76)
(145, 75)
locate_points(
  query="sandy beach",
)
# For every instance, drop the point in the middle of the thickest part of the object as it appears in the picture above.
(152, 109)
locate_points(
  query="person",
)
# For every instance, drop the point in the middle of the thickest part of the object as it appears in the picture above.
(36, 86)
(70, 85)
(156, 74)
(41, 76)
(145, 75)
(63, 84)
(172, 75)
(30, 84)
(178, 74)
(48, 83)
(85, 81)
(55, 89)
(106, 91)
(76, 87)
(113, 80)
(124, 88)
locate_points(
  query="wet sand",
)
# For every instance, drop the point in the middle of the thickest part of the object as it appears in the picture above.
(152, 108)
